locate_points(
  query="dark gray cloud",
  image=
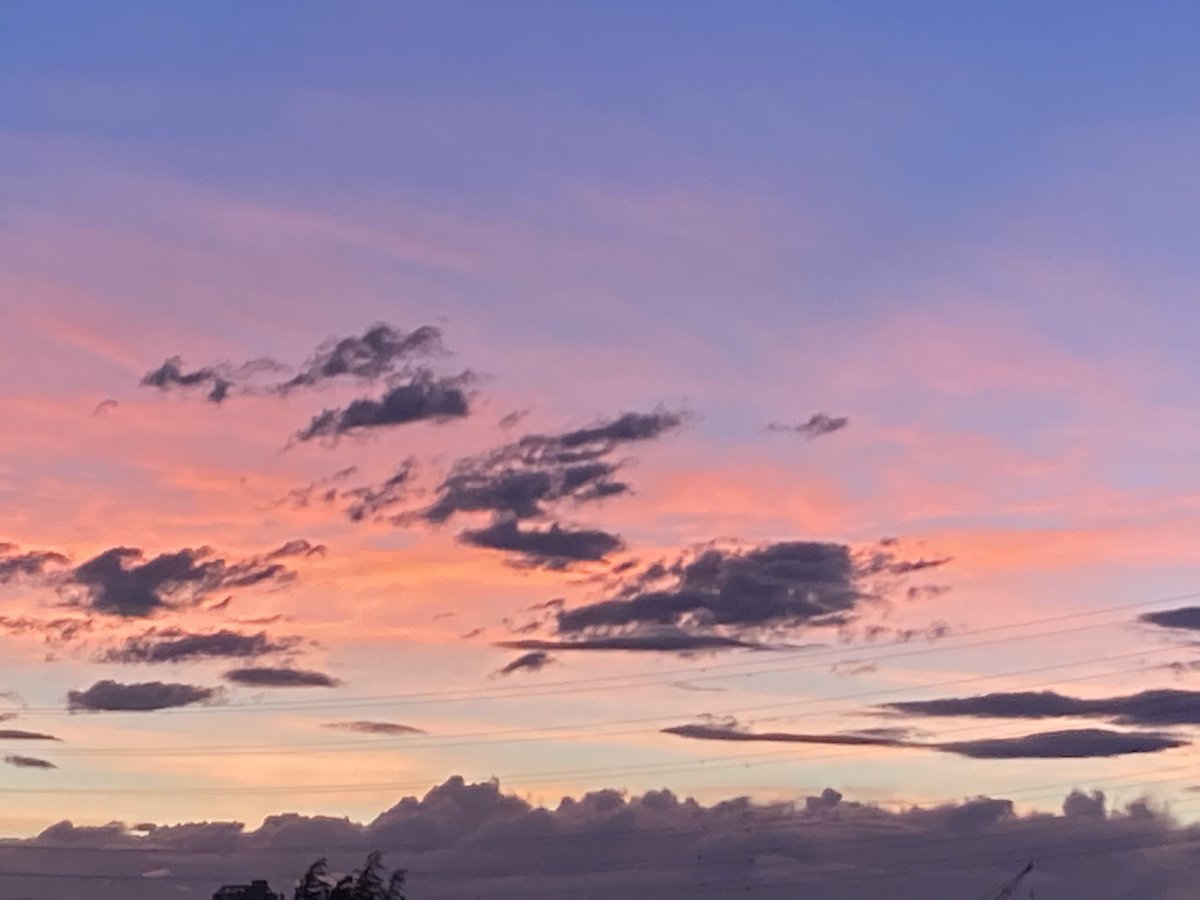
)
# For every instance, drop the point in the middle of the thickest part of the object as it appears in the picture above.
(271, 676)
(464, 840)
(368, 502)
(1071, 744)
(1185, 618)
(818, 424)
(56, 632)
(554, 548)
(533, 661)
(104, 406)
(742, 593)
(28, 762)
(122, 581)
(172, 375)
(522, 479)
(367, 727)
(1160, 707)
(729, 730)
(533, 478)
(173, 645)
(144, 696)
(649, 640)
(423, 397)
(16, 564)
(323, 490)
(380, 351)
(16, 734)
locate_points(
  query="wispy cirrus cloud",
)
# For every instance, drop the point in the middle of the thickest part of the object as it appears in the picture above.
(817, 425)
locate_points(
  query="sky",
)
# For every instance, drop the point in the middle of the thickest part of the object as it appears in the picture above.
(670, 444)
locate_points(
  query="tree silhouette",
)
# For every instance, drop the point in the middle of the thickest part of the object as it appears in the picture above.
(396, 885)
(314, 883)
(369, 883)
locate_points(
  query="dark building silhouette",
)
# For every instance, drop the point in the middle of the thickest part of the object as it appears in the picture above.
(255, 890)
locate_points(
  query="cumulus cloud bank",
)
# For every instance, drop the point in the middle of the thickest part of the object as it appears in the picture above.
(463, 840)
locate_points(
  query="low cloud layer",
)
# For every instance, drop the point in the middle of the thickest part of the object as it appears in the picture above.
(123, 581)
(1080, 743)
(464, 840)
(174, 645)
(270, 676)
(146, 696)
(817, 425)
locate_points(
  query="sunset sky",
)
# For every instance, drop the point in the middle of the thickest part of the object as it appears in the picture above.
(595, 396)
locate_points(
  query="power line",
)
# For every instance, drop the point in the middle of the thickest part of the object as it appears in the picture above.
(584, 730)
(605, 683)
(778, 757)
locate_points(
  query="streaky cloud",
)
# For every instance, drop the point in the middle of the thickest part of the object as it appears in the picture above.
(148, 696)
(817, 425)
(271, 676)
(1082, 743)
(370, 727)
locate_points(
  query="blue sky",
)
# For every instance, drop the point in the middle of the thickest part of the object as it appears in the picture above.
(969, 229)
